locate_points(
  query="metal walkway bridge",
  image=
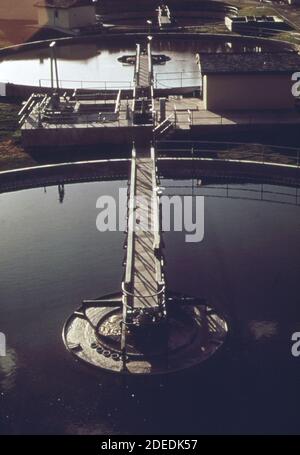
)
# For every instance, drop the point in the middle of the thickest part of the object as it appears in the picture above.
(143, 66)
(144, 284)
(144, 329)
(143, 92)
(164, 16)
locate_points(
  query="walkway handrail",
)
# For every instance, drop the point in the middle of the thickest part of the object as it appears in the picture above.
(163, 123)
(156, 220)
(165, 81)
(200, 117)
(262, 192)
(261, 162)
(89, 85)
(137, 64)
(144, 296)
(150, 65)
(286, 162)
(266, 151)
(155, 197)
(131, 220)
(196, 143)
(118, 102)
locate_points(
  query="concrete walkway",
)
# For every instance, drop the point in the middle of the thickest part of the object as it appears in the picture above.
(144, 264)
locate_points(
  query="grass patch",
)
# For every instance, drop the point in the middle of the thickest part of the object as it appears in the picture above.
(257, 11)
(9, 127)
(12, 155)
(215, 28)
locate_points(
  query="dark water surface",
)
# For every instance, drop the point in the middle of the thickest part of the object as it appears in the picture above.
(248, 266)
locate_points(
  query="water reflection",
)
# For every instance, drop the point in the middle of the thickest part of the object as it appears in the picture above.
(96, 61)
(61, 193)
(260, 330)
(74, 52)
(8, 370)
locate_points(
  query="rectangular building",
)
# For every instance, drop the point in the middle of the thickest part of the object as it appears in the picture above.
(248, 81)
(66, 14)
(256, 24)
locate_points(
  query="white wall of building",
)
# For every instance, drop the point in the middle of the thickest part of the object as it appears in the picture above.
(249, 91)
(67, 18)
(45, 16)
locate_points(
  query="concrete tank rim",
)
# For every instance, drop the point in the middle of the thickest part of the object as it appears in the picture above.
(8, 182)
(32, 45)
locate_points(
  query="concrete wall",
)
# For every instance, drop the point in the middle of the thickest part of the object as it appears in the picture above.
(65, 136)
(45, 16)
(67, 18)
(23, 10)
(249, 91)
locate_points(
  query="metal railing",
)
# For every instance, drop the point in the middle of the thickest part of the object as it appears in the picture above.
(194, 117)
(129, 260)
(150, 63)
(137, 65)
(118, 102)
(231, 152)
(161, 80)
(163, 127)
(157, 244)
(131, 222)
(178, 79)
(156, 216)
(127, 285)
(68, 121)
(262, 192)
(95, 85)
(36, 115)
(33, 101)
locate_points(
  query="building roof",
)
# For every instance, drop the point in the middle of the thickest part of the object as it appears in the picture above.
(65, 4)
(255, 19)
(256, 62)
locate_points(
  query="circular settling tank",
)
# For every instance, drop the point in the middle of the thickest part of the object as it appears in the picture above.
(247, 267)
(94, 64)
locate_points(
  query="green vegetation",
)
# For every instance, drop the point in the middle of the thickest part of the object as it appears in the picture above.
(287, 36)
(257, 11)
(219, 28)
(12, 155)
(8, 121)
